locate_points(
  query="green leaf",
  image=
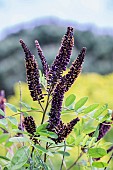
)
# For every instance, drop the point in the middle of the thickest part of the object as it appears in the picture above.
(3, 125)
(3, 122)
(86, 138)
(25, 105)
(19, 131)
(68, 111)
(91, 142)
(79, 139)
(48, 134)
(99, 164)
(91, 108)
(18, 139)
(70, 140)
(70, 99)
(11, 107)
(25, 114)
(64, 153)
(100, 111)
(40, 148)
(4, 137)
(1, 131)
(5, 158)
(20, 158)
(105, 118)
(13, 120)
(41, 138)
(96, 133)
(8, 144)
(41, 127)
(80, 103)
(88, 130)
(2, 113)
(97, 152)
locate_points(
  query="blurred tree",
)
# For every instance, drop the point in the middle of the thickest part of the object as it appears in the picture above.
(99, 57)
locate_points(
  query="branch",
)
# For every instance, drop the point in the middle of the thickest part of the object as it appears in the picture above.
(75, 161)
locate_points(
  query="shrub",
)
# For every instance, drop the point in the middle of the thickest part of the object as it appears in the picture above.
(34, 145)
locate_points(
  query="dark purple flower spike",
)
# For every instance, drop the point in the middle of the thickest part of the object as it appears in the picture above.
(32, 73)
(74, 70)
(104, 127)
(29, 125)
(63, 86)
(63, 130)
(56, 106)
(43, 59)
(62, 59)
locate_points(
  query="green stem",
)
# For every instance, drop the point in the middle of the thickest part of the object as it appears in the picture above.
(109, 160)
(45, 109)
(45, 155)
(41, 105)
(63, 156)
(75, 161)
(60, 146)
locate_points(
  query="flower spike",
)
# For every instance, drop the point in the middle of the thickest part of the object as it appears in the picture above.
(62, 87)
(42, 58)
(74, 71)
(104, 127)
(29, 125)
(62, 59)
(56, 106)
(32, 73)
(64, 130)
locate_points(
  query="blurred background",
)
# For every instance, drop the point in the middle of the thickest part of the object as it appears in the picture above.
(46, 20)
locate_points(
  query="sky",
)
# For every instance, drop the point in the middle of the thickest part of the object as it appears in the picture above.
(97, 12)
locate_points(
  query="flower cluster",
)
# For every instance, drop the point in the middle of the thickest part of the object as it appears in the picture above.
(104, 127)
(63, 130)
(43, 59)
(32, 73)
(74, 71)
(63, 86)
(62, 59)
(56, 106)
(57, 84)
(29, 125)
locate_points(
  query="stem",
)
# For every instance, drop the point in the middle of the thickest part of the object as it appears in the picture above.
(110, 149)
(41, 105)
(109, 160)
(21, 114)
(45, 109)
(75, 161)
(32, 151)
(63, 156)
(45, 156)
(60, 146)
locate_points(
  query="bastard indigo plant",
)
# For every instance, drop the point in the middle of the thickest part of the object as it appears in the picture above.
(57, 84)
(76, 142)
